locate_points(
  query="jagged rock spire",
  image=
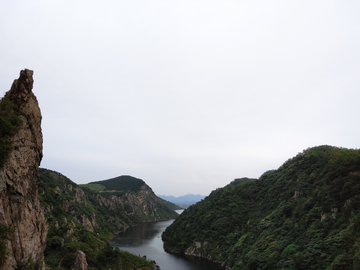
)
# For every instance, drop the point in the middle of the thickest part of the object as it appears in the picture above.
(20, 209)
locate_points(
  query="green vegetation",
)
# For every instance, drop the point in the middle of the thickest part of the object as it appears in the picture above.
(29, 264)
(4, 252)
(130, 261)
(82, 219)
(305, 215)
(123, 183)
(94, 187)
(10, 123)
(99, 253)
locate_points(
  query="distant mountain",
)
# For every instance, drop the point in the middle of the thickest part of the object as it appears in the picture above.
(185, 200)
(173, 206)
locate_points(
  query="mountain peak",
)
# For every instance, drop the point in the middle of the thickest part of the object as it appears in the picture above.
(122, 183)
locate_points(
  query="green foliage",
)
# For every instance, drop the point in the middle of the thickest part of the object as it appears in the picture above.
(121, 183)
(9, 124)
(241, 180)
(4, 252)
(29, 264)
(130, 261)
(305, 215)
(94, 187)
(67, 205)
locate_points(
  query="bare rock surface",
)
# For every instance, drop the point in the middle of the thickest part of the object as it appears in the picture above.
(19, 205)
(80, 261)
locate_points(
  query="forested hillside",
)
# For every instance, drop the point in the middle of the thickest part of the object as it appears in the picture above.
(122, 183)
(304, 215)
(82, 219)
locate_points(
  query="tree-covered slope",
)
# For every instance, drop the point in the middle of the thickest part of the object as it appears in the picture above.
(120, 183)
(81, 219)
(304, 215)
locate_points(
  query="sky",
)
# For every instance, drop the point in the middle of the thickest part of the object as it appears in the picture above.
(186, 95)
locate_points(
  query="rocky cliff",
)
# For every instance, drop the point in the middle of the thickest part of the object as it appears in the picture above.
(47, 218)
(20, 210)
(134, 196)
(80, 218)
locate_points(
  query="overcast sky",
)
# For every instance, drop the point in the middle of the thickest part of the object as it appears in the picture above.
(184, 94)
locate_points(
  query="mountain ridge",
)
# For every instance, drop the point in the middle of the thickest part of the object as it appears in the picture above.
(304, 215)
(184, 200)
(123, 183)
(119, 183)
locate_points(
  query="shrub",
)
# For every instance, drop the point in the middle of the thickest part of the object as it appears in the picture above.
(4, 252)
(9, 124)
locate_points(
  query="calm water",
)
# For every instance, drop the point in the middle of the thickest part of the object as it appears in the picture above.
(145, 239)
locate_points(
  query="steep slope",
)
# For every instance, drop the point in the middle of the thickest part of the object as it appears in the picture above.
(83, 219)
(128, 184)
(22, 220)
(304, 215)
(173, 206)
(135, 197)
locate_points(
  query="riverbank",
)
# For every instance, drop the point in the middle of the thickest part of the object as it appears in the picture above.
(145, 240)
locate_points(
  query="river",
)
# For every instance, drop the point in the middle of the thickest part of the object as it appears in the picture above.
(145, 240)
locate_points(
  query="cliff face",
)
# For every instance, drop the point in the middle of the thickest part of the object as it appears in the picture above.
(83, 219)
(141, 206)
(109, 211)
(20, 209)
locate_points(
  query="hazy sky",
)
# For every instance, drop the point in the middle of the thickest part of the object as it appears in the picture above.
(184, 94)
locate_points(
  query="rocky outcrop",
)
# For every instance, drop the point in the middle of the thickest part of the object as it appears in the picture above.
(80, 261)
(142, 205)
(20, 209)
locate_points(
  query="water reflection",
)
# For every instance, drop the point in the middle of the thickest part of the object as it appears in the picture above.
(145, 240)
